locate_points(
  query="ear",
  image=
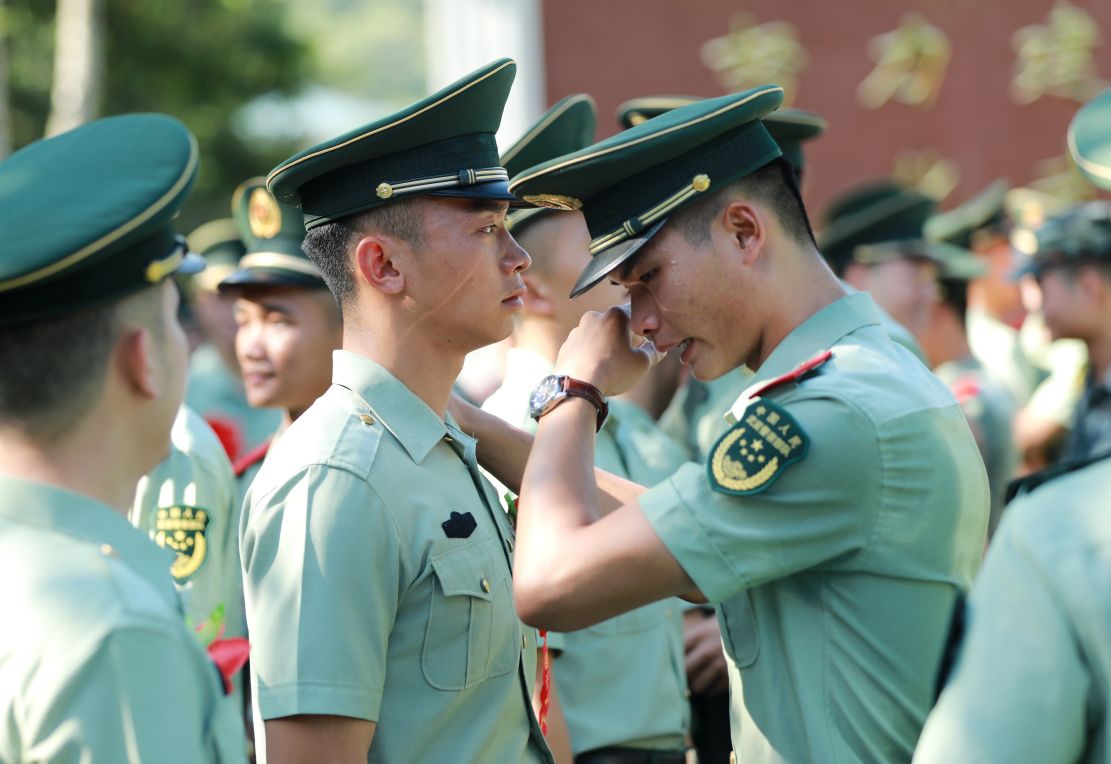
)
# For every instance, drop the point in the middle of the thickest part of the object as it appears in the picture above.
(745, 225)
(134, 361)
(538, 295)
(377, 260)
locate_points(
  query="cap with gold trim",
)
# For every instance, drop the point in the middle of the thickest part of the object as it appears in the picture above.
(1090, 140)
(629, 184)
(789, 127)
(882, 220)
(273, 235)
(86, 215)
(218, 242)
(568, 126)
(442, 145)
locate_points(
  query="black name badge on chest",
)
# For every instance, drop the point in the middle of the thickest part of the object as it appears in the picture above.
(459, 526)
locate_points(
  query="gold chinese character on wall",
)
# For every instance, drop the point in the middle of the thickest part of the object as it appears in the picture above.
(752, 54)
(910, 65)
(927, 171)
(1055, 58)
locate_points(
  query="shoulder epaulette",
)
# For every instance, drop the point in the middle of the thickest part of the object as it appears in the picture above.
(250, 459)
(794, 375)
(1028, 483)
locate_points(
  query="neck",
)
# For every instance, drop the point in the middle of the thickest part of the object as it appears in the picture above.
(946, 341)
(805, 285)
(66, 463)
(423, 365)
(541, 336)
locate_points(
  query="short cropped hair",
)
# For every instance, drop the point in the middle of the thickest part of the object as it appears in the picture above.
(330, 245)
(54, 369)
(773, 185)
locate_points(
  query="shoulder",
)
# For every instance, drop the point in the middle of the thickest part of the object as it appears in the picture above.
(1061, 514)
(338, 432)
(192, 436)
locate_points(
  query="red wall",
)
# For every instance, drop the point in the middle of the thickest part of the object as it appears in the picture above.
(618, 49)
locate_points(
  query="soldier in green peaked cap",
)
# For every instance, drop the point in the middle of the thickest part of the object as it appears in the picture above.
(399, 593)
(824, 526)
(620, 683)
(288, 322)
(98, 663)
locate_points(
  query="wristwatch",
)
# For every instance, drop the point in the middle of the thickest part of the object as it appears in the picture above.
(556, 388)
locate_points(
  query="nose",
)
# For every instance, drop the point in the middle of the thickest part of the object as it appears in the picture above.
(515, 258)
(248, 342)
(643, 318)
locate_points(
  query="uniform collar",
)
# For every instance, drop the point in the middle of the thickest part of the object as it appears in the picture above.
(819, 332)
(48, 507)
(409, 419)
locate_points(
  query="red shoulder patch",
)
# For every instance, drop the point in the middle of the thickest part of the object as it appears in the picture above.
(250, 459)
(965, 389)
(793, 375)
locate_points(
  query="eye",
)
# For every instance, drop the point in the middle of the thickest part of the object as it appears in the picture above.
(488, 229)
(648, 275)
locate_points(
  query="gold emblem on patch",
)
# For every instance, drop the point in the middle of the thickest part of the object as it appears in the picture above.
(263, 214)
(554, 201)
(756, 450)
(183, 529)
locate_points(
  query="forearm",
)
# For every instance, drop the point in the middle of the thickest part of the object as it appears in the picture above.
(504, 451)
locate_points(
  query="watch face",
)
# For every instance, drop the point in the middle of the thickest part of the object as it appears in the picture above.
(548, 389)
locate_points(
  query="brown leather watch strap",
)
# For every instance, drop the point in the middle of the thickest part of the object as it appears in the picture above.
(590, 393)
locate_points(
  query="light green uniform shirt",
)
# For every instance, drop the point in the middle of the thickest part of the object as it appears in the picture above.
(695, 416)
(1063, 364)
(990, 409)
(621, 682)
(1031, 682)
(188, 505)
(95, 661)
(360, 600)
(215, 391)
(835, 582)
(997, 347)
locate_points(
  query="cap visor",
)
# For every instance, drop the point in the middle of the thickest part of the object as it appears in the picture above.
(613, 257)
(265, 277)
(190, 264)
(956, 262)
(497, 190)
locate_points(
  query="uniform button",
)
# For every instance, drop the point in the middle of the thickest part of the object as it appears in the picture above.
(108, 551)
(509, 544)
(687, 694)
(485, 586)
(449, 439)
(524, 641)
(367, 419)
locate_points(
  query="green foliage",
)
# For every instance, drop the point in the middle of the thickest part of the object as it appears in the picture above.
(199, 60)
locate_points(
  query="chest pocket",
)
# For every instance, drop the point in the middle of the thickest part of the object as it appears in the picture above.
(738, 628)
(473, 633)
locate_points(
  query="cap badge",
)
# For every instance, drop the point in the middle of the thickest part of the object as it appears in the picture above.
(263, 214)
(554, 201)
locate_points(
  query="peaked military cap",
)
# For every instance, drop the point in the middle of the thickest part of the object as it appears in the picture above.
(566, 127)
(882, 221)
(86, 214)
(218, 242)
(273, 235)
(984, 215)
(629, 184)
(442, 145)
(1080, 235)
(1090, 140)
(789, 127)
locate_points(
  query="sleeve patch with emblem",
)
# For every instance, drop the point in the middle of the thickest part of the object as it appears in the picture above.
(183, 529)
(756, 450)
